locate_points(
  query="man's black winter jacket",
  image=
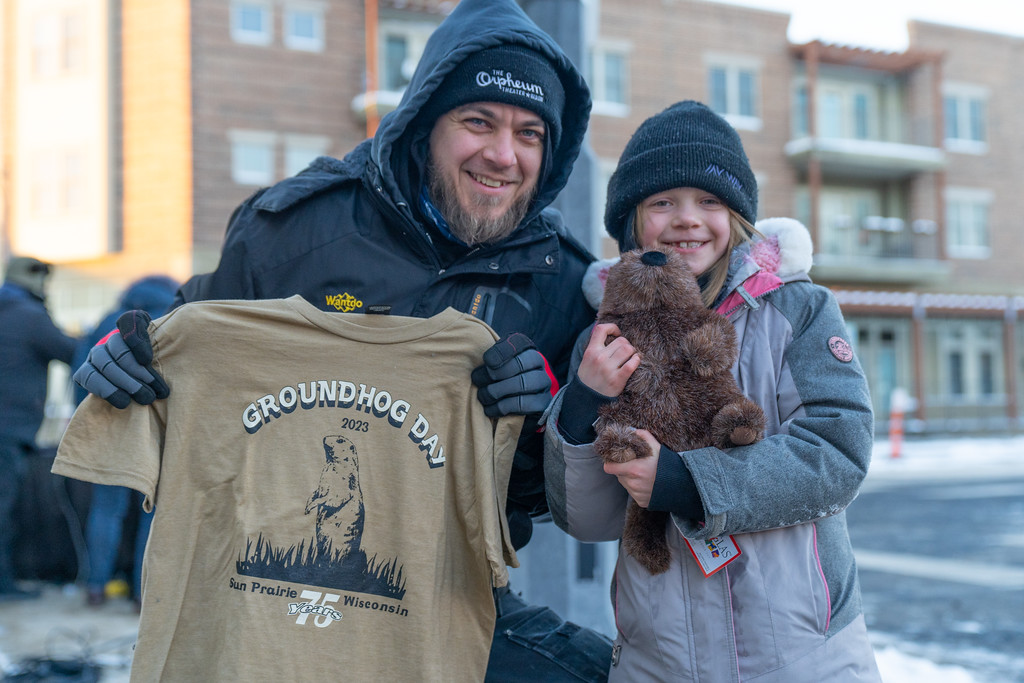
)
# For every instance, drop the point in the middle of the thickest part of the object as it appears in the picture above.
(347, 235)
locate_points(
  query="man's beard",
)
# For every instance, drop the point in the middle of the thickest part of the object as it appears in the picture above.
(472, 228)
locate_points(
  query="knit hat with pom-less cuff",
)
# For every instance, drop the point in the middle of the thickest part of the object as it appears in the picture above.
(686, 145)
(510, 74)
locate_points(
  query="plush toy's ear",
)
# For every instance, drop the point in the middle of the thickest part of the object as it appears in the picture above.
(795, 250)
(594, 279)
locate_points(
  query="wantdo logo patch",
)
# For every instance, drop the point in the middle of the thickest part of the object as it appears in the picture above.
(346, 303)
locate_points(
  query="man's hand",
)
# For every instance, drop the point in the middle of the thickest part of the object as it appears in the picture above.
(119, 368)
(514, 379)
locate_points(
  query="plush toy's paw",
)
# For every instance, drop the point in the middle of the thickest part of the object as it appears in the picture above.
(643, 538)
(710, 348)
(739, 423)
(618, 443)
(742, 436)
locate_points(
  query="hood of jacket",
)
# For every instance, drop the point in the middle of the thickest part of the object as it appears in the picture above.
(153, 294)
(784, 254)
(398, 146)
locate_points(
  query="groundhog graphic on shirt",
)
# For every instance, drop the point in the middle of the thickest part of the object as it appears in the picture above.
(332, 556)
(338, 501)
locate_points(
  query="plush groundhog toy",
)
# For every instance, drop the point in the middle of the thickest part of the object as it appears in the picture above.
(683, 392)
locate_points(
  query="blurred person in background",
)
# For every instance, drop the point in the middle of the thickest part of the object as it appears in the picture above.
(29, 340)
(108, 508)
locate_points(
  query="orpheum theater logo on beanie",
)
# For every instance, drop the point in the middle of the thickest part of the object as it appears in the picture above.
(510, 74)
(510, 85)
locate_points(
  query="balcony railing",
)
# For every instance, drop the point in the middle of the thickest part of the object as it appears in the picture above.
(876, 158)
(879, 249)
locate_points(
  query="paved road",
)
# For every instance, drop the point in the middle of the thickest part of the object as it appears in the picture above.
(942, 570)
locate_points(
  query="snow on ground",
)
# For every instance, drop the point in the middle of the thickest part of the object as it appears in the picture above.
(952, 458)
(899, 667)
(945, 458)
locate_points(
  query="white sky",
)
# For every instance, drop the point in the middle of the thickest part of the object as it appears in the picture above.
(882, 24)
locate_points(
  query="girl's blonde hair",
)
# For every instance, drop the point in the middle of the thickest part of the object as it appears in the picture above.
(740, 231)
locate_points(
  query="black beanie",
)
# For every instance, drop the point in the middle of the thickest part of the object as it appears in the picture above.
(686, 145)
(510, 74)
(30, 274)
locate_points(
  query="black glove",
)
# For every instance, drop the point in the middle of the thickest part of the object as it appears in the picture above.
(514, 379)
(119, 369)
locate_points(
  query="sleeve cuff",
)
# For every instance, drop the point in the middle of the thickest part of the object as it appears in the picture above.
(579, 412)
(674, 488)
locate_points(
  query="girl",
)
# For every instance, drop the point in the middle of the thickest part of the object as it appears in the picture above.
(786, 607)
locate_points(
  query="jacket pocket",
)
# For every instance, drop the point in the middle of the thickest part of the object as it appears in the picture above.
(654, 621)
(780, 599)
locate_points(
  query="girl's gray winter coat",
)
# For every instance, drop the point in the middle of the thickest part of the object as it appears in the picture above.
(788, 609)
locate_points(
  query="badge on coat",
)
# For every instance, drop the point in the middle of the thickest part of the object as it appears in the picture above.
(841, 349)
(714, 553)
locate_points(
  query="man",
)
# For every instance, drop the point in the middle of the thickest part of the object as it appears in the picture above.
(28, 342)
(443, 207)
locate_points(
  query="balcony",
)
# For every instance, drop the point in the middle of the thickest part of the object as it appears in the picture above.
(864, 158)
(879, 250)
(379, 101)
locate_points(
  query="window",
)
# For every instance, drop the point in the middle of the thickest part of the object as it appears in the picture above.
(401, 46)
(45, 193)
(800, 121)
(987, 372)
(45, 50)
(967, 219)
(831, 115)
(861, 115)
(75, 180)
(848, 111)
(885, 352)
(251, 22)
(394, 75)
(969, 372)
(252, 157)
(956, 373)
(58, 182)
(734, 91)
(964, 110)
(299, 150)
(304, 27)
(254, 154)
(609, 78)
(73, 41)
(602, 245)
(58, 43)
(844, 216)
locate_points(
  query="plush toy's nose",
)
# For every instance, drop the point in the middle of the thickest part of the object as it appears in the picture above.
(654, 258)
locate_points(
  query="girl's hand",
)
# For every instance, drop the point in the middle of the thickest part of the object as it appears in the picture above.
(608, 360)
(637, 476)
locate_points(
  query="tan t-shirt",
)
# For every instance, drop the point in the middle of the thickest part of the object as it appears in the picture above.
(329, 495)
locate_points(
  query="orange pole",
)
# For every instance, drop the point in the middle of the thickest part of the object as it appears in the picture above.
(372, 118)
(896, 432)
(898, 401)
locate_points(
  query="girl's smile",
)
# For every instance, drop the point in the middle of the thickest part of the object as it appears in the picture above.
(692, 221)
